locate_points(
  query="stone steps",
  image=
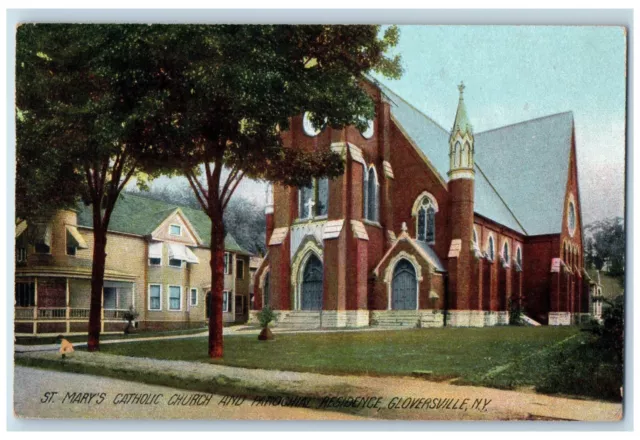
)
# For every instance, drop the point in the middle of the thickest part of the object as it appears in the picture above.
(396, 318)
(299, 320)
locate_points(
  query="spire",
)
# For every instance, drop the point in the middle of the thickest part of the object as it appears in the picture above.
(461, 123)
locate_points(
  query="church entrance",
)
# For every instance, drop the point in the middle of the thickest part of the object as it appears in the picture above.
(404, 287)
(311, 290)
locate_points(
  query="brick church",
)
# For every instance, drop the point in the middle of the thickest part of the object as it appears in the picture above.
(428, 226)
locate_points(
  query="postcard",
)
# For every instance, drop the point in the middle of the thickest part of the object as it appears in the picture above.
(319, 222)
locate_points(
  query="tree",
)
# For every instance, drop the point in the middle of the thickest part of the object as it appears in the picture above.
(87, 95)
(233, 92)
(606, 243)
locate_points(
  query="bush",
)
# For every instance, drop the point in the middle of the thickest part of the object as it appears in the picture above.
(595, 367)
(130, 316)
(515, 312)
(265, 316)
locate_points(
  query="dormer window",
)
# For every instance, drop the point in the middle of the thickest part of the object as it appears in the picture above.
(313, 199)
(175, 230)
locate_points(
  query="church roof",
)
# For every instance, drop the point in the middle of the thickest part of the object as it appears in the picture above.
(533, 184)
(433, 141)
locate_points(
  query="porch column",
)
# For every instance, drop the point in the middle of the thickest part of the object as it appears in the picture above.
(68, 311)
(35, 304)
(102, 312)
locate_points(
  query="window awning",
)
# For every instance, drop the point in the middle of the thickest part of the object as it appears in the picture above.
(155, 249)
(20, 228)
(181, 252)
(42, 233)
(74, 238)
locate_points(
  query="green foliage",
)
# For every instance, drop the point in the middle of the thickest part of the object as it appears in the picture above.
(515, 312)
(130, 315)
(266, 316)
(606, 244)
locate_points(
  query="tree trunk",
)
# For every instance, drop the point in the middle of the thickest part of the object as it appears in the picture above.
(217, 285)
(97, 282)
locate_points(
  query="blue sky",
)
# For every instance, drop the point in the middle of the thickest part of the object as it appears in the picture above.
(515, 73)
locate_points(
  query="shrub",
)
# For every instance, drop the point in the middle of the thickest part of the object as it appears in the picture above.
(130, 316)
(515, 312)
(266, 315)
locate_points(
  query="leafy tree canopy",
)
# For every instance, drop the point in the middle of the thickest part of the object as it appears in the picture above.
(606, 244)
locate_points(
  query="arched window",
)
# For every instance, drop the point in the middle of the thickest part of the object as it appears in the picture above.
(571, 219)
(469, 154)
(371, 190)
(458, 155)
(475, 237)
(505, 252)
(490, 248)
(426, 223)
(519, 256)
(313, 199)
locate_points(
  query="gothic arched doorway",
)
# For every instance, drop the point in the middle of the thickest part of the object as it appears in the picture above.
(404, 287)
(311, 288)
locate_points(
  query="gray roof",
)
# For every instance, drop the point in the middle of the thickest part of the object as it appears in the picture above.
(433, 141)
(528, 164)
(432, 255)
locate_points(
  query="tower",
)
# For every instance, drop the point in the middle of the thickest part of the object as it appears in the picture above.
(461, 191)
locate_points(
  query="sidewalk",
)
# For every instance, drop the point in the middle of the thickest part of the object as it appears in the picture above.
(394, 392)
(226, 331)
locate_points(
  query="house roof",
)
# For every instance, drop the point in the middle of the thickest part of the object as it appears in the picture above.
(433, 140)
(534, 183)
(139, 215)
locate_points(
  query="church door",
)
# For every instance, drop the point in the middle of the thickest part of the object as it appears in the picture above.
(404, 287)
(312, 285)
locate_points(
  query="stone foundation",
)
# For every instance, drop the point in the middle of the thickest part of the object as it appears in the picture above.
(465, 318)
(560, 318)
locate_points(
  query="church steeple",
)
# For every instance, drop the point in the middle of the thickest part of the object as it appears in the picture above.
(461, 160)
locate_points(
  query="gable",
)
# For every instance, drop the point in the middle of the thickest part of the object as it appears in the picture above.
(528, 164)
(175, 222)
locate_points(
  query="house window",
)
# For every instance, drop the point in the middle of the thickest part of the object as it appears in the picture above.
(155, 261)
(25, 294)
(227, 263)
(194, 297)
(225, 300)
(239, 269)
(313, 199)
(426, 221)
(174, 262)
(175, 230)
(71, 250)
(371, 195)
(155, 297)
(175, 297)
(490, 249)
(21, 255)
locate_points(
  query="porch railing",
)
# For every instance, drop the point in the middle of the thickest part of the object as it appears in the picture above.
(63, 313)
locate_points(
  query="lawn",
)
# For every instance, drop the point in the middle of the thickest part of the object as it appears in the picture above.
(475, 355)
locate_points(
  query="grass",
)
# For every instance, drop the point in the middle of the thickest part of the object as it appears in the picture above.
(43, 340)
(468, 353)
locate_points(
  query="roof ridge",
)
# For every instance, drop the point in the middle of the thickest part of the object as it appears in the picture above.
(506, 205)
(526, 121)
(415, 108)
